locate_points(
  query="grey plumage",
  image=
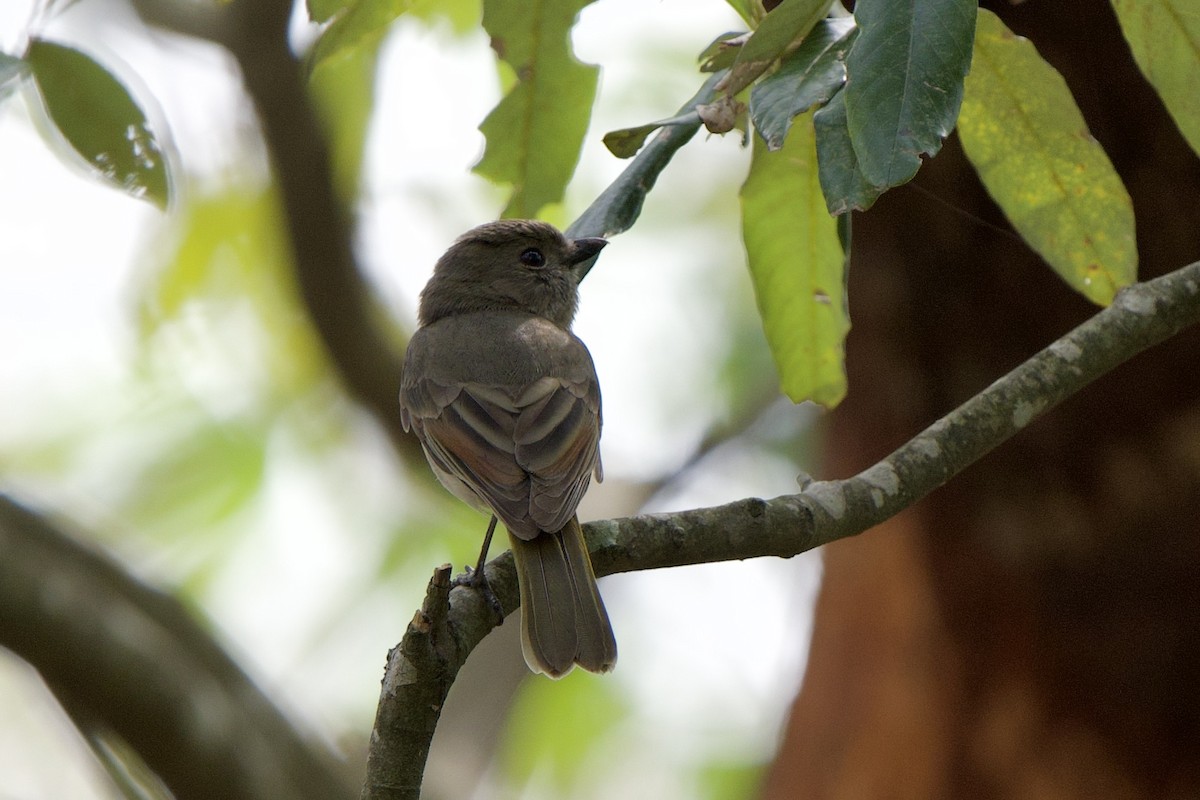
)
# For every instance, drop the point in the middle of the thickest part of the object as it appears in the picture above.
(506, 403)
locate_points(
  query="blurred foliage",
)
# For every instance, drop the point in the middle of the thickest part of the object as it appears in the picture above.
(730, 781)
(229, 253)
(11, 69)
(555, 726)
(97, 119)
(344, 90)
(907, 64)
(354, 27)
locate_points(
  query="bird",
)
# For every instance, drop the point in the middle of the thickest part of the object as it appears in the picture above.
(505, 401)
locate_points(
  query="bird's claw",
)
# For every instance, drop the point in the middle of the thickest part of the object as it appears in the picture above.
(476, 579)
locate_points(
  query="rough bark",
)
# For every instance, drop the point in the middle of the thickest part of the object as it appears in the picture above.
(1030, 630)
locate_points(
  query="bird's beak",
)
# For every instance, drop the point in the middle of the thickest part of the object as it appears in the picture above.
(585, 249)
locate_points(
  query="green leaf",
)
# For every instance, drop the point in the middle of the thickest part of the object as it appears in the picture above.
(618, 206)
(534, 135)
(797, 266)
(722, 52)
(842, 181)
(624, 143)
(809, 76)
(789, 22)
(360, 25)
(1164, 36)
(99, 119)
(904, 82)
(1021, 129)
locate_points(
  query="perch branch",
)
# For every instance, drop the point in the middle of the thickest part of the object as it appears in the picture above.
(1142, 316)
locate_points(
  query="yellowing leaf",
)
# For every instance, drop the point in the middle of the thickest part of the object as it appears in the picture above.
(1021, 129)
(1164, 36)
(798, 267)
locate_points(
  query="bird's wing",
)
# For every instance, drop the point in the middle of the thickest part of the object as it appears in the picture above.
(527, 454)
(558, 443)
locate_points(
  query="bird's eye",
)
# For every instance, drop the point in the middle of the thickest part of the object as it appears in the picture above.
(532, 257)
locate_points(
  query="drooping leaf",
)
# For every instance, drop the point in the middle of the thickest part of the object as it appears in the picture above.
(1164, 36)
(807, 77)
(99, 119)
(618, 206)
(904, 82)
(534, 135)
(843, 183)
(1028, 141)
(624, 143)
(361, 24)
(797, 266)
(790, 21)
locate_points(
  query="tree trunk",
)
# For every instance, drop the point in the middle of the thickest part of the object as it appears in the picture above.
(1032, 630)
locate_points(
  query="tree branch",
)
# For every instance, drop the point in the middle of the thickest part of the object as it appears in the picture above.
(134, 661)
(443, 635)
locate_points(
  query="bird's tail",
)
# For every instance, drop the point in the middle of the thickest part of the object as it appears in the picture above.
(563, 621)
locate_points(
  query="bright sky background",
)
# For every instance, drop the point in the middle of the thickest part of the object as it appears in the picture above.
(708, 655)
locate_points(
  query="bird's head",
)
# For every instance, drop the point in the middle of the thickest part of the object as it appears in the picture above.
(509, 265)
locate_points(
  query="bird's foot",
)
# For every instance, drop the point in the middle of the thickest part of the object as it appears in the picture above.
(473, 578)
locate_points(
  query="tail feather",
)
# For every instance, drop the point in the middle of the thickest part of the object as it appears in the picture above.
(563, 620)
